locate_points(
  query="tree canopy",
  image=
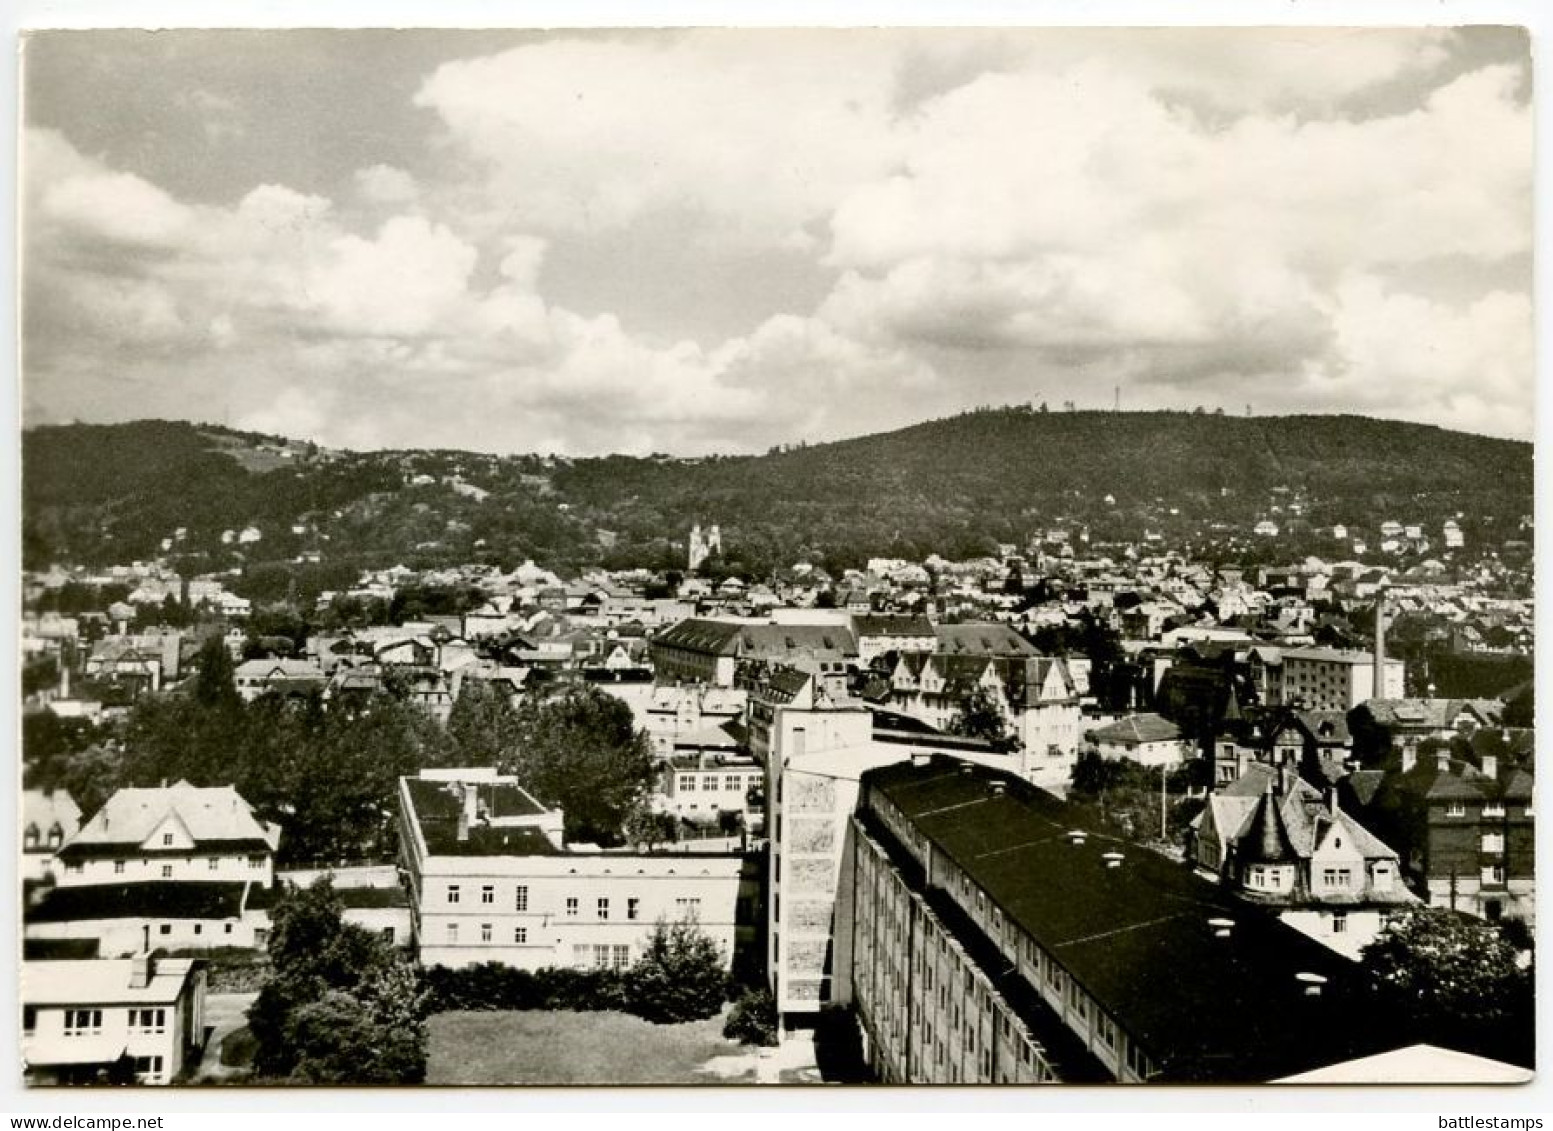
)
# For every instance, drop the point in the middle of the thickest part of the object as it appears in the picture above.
(578, 747)
(340, 1007)
(1458, 979)
(679, 977)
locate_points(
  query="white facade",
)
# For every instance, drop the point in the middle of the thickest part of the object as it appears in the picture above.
(553, 907)
(86, 1013)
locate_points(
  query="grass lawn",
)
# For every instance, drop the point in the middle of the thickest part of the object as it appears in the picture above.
(535, 1047)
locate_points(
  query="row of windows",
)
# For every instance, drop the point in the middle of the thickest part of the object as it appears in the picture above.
(602, 907)
(602, 956)
(488, 934)
(711, 783)
(76, 867)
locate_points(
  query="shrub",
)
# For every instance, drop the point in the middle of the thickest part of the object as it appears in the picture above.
(754, 1019)
(680, 977)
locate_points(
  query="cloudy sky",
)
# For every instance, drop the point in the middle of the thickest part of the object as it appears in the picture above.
(704, 241)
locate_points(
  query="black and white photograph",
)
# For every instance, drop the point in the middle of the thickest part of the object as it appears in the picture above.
(739, 557)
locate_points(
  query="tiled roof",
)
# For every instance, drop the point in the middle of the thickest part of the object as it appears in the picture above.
(985, 639)
(214, 815)
(1138, 729)
(697, 635)
(866, 625)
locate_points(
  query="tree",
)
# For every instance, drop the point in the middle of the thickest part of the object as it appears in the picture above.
(679, 977)
(980, 715)
(754, 1018)
(578, 748)
(340, 1006)
(215, 685)
(1459, 981)
(482, 726)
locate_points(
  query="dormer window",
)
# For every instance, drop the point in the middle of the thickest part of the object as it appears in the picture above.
(31, 837)
(1455, 809)
(167, 840)
(1493, 809)
(56, 836)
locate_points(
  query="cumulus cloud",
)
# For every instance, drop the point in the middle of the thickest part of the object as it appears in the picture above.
(1306, 220)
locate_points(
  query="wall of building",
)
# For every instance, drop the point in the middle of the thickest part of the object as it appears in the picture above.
(195, 866)
(538, 911)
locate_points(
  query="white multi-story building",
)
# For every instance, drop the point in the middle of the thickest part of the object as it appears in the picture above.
(492, 880)
(81, 1019)
(1332, 679)
(177, 832)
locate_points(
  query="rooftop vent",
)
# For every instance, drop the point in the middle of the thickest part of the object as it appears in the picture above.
(1113, 859)
(1076, 836)
(998, 788)
(1312, 983)
(1221, 927)
(967, 769)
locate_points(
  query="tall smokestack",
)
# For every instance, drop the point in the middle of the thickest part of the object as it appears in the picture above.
(1379, 689)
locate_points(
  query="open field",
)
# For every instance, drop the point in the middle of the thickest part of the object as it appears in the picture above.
(581, 1048)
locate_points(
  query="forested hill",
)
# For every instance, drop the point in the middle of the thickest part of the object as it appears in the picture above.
(954, 487)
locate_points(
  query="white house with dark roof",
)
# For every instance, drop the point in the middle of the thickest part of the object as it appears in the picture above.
(1276, 840)
(82, 1018)
(1146, 738)
(177, 832)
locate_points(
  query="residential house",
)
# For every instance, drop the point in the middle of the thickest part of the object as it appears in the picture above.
(83, 1019)
(179, 832)
(1276, 840)
(1466, 830)
(1145, 738)
(49, 819)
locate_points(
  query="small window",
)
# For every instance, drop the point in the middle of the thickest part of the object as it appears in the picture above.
(1455, 809)
(452, 932)
(80, 1022)
(633, 907)
(488, 894)
(118, 867)
(213, 864)
(165, 929)
(453, 893)
(386, 934)
(29, 1018)
(520, 902)
(167, 871)
(148, 1066)
(571, 906)
(1339, 922)
(167, 840)
(603, 908)
(485, 932)
(687, 783)
(256, 861)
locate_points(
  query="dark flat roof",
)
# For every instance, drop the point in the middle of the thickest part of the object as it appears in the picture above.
(1137, 936)
(157, 899)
